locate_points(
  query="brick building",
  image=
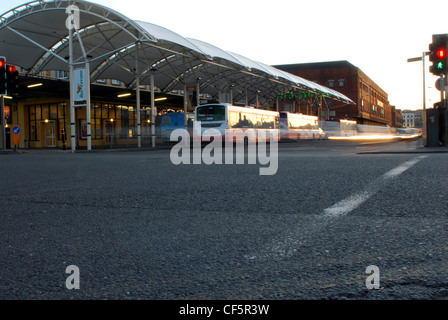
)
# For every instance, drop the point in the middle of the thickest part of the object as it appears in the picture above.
(372, 105)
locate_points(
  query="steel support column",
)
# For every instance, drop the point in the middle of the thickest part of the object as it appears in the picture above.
(88, 109)
(137, 90)
(72, 93)
(153, 111)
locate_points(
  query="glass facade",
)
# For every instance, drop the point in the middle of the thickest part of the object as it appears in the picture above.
(45, 113)
(111, 124)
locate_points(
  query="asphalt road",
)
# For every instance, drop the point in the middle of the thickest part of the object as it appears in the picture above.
(139, 227)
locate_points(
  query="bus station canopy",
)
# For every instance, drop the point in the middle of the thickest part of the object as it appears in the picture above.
(35, 37)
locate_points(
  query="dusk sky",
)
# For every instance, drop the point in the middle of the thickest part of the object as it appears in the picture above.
(377, 37)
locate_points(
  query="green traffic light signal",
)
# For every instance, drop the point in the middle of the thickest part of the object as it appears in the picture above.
(439, 54)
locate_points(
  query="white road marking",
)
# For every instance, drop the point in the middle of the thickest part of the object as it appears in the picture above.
(288, 245)
(351, 203)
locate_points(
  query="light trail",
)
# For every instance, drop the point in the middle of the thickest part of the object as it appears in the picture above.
(374, 137)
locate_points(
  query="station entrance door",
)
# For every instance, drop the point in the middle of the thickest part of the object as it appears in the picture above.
(48, 134)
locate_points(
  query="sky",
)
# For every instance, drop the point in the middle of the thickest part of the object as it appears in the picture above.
(376, 36)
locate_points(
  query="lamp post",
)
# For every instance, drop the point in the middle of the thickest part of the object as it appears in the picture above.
(422, 58)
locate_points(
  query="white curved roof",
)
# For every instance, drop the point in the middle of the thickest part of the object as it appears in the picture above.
(34, 36)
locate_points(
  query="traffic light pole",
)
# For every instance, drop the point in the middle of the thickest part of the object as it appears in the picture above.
(2, 112)
(424, 81)
(443, 90)
(445, 114)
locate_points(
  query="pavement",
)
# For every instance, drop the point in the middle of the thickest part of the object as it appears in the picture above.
(411, 146)
(372, 147)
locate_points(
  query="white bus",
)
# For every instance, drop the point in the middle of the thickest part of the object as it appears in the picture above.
(245, 123)
(297, 126)
(339, 128)
(366, 130)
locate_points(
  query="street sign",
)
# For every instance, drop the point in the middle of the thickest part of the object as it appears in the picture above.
(16, 135)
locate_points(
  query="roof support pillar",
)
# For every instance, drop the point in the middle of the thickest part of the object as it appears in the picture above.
(219, 86)
(88, 109)
(185, 100)
(137, 83)
(185, 105)
(153, 111)
(245, 90)
(72, 92)
(198, 98)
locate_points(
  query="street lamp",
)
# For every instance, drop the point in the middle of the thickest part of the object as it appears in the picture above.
(422, 58)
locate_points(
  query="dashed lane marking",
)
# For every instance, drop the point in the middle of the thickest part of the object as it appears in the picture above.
(287, 245)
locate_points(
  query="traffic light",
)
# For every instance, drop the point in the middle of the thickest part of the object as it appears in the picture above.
(439, 54)
(12, 79)
(3, 76)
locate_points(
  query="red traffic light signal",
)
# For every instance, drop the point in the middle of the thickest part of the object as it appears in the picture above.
(2, 76)
(439, 54)
(12, 79)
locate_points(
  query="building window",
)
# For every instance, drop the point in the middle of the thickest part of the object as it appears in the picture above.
(341, 83)
(330, 83)
(45, 74)
(101, 80)
(60, 74)
(44, 113)
(116, 82)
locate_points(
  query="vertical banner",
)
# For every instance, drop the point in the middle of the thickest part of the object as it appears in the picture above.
(80, 85)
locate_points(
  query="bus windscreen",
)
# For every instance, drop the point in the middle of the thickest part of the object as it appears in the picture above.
(211, 113)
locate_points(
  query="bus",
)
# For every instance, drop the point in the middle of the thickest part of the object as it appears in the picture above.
(339, 127)
(367, 130)
(297, 126)
(246, 124)
(175, 120)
